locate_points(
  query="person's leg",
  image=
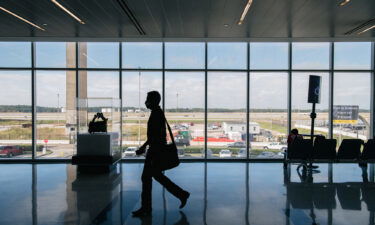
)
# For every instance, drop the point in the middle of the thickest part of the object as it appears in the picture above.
(147, 185)
(173, 188)
(146, 197)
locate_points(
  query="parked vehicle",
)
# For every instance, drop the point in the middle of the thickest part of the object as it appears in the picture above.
(225, 153)
(130, 152)
(182, 140)
(238, 144)
(242, 153)
(10, 151)
(266, 155)
(276, 146)
(181, 152)
(209, 153)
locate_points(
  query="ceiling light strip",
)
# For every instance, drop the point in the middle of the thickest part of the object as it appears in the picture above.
(370, 28)
(21, 18)
(366, 26)
(67, 11)
(245, 10)
(344, 2)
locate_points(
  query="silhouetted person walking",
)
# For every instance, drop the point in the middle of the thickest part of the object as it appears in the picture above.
(156, 140)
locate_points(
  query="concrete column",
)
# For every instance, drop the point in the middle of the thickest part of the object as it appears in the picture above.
(71, 84)
(70, 115)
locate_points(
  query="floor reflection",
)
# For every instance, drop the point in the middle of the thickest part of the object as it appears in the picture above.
(221, 193)
(311, 196)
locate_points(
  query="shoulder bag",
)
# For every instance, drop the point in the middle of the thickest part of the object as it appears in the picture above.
(167, 156)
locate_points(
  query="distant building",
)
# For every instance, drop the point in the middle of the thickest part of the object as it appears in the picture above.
(230, 127)
(106, 110)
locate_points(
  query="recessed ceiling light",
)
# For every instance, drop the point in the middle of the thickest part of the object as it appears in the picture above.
(21, 18)
(245, 10)
(67, 11)
(344, 2)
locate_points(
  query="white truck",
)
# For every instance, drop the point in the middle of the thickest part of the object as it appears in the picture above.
(275, 146)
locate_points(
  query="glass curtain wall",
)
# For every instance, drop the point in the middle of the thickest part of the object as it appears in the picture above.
(206, 88)
(268, 99)
(226, 100)
(184, 96)
(15, 100)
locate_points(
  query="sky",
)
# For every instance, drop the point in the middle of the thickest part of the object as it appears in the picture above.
(186, 89)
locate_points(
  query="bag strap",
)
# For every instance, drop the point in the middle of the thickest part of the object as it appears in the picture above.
(169, 128)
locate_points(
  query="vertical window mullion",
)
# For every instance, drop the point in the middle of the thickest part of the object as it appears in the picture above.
(289, 87)
(331, 89)
(372, 104)
(248, 103)
(33, 102)
(163, 75)
(120, 92)
(205, 100)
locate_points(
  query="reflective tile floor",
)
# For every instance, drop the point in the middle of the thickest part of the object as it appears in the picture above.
(221, 193)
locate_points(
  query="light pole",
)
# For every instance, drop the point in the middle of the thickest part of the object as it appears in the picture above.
(177, 102)
(58, 108)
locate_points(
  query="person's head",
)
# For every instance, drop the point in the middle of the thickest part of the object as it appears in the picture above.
(294, 131)
(152, 100)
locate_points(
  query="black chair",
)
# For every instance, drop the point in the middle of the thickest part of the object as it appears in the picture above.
(300, 195)
(368, 152)
(300, 149)
(324, 196)
(368, 193)
(324, 149)
(349, 196)
(350, 149)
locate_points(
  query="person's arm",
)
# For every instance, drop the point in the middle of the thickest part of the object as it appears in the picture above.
(142, 149)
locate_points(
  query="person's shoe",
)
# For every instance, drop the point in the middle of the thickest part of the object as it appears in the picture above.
(184, 199)
(142, 212)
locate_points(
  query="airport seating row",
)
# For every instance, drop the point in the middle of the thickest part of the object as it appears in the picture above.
(325, 150)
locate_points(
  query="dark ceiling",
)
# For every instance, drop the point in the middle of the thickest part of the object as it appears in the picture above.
(187, 19)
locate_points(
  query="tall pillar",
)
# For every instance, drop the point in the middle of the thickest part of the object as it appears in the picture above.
(82, 87)
(70, 85)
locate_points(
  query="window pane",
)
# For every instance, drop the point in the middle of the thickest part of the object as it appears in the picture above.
(227, 55)
(301, 109)
(98, 55)
(145, 55)
(226, 127)
(99, 92)
(56, 113)
(352, 89)
(268, 114)
(135, 86)
(184, 103)
(353, 55)
(310, 55)
(55, 54)
(100, 84)
(15, 54)
(15, 110)
(269, 55)
(184, 55)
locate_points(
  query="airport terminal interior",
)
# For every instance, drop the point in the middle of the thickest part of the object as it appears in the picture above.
(236, 79)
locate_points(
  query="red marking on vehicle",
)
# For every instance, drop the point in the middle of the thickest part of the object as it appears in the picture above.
(45, 141)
